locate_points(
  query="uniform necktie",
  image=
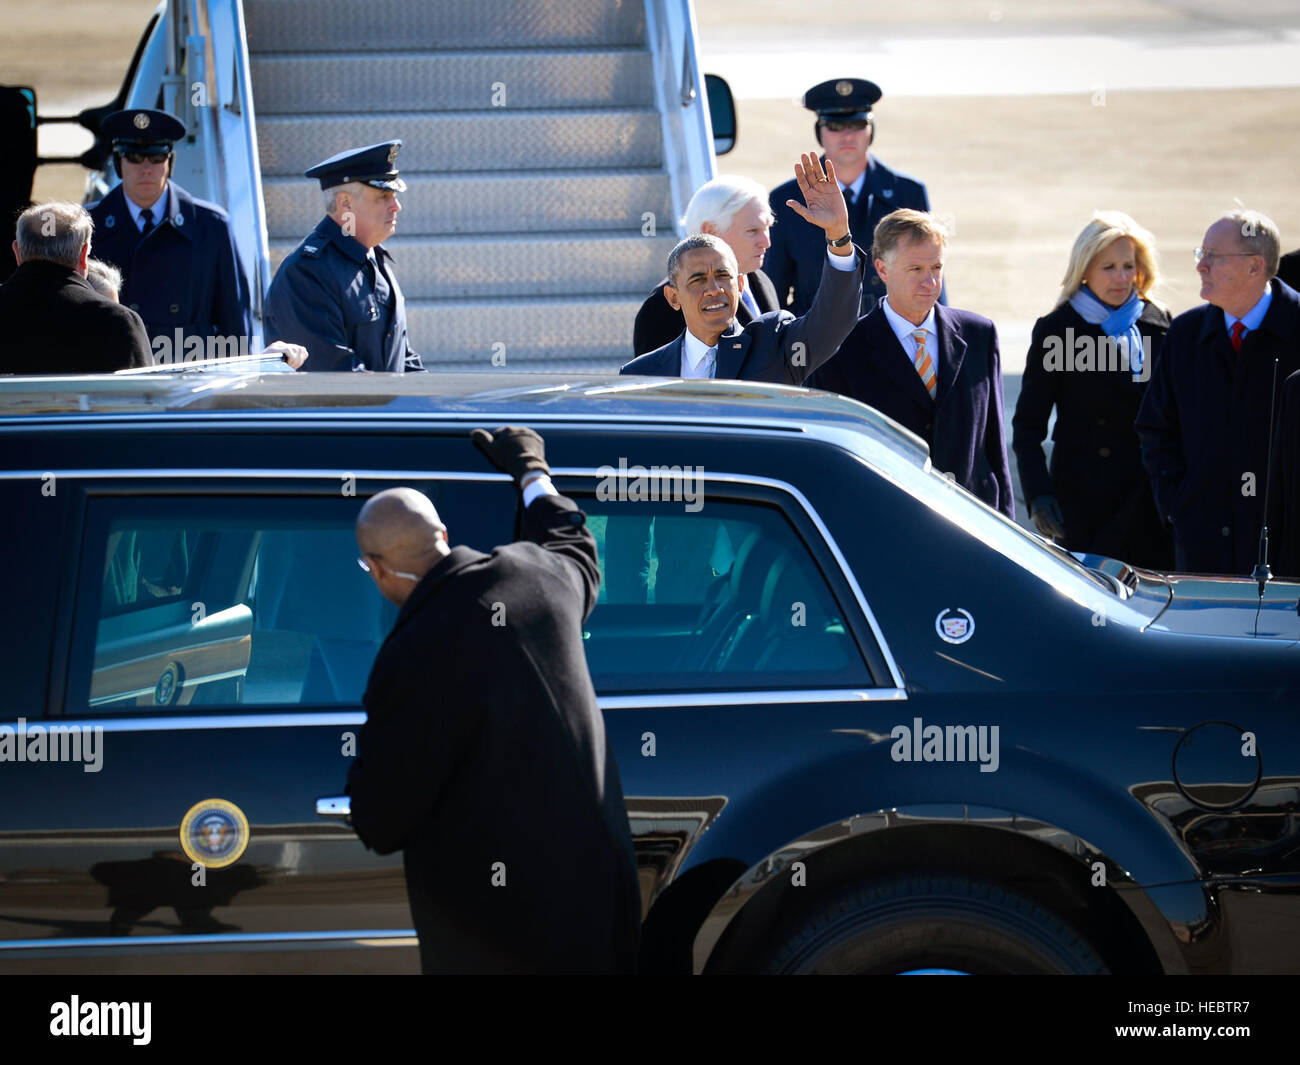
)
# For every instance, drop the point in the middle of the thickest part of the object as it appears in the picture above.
(1238, 328)
(849, 197)
(924, 364)
(146, 218)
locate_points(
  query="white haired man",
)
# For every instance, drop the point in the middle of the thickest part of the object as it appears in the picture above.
(735, 209)
(1204, 422)
(54, 321)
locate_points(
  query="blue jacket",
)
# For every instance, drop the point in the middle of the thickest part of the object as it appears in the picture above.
(328, 297)
(186, 274)
(1204, 426)
(776, 347)
(963, 424)
(798, 247)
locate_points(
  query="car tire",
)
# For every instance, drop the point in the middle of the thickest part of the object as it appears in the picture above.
(947, 922)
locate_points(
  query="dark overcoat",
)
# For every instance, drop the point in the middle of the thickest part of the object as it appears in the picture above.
(963, 424)
(657, 323)
(1204, 427)
(484, 758)
(776, 347)
(1096, 473)
(329, 297)
(56, 323)
(186, 274)
(1284, 497)
(793, 262)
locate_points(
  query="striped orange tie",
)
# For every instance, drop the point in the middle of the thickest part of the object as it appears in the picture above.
(925, 364)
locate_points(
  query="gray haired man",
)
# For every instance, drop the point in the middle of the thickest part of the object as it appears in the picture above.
(55, 322)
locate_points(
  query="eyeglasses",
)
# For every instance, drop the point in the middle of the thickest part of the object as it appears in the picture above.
(146, 157)
(1208, 257)
(395, 572)
(840, 127)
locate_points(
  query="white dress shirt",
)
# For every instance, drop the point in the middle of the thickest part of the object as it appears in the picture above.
(158, 211)
(903, 329)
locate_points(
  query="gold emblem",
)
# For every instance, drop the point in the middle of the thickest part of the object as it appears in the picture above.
(392, 156)
(141, 120)
(844, 88)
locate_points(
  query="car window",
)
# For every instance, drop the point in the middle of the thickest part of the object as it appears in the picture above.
(189, 602)
(728, 597)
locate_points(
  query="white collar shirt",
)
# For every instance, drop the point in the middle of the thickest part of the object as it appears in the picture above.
(695, 357)
(903, 329)
(158, 211)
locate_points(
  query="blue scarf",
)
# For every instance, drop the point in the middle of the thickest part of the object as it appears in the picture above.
(1119, 323)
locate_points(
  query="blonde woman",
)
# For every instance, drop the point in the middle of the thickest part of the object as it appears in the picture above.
(1091, 359)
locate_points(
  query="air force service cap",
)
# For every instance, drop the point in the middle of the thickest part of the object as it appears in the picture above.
(142, 130)
(374, 165)
(842, 99)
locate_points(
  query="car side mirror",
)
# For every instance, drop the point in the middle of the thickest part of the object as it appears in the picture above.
(722, 113)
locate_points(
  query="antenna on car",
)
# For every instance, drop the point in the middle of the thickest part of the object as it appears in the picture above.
(1262, 573)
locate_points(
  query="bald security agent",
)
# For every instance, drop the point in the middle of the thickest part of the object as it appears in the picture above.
(935, 370)
(55, 322)
(336, 294)
(846, 129)
(484, 756)
(776, 347)
(180, 267)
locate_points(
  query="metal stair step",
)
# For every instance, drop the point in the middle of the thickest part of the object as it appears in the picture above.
(451, 81)
(381, 25)
(579, 264)
(461, 140)
(532, 333)
(434, 204)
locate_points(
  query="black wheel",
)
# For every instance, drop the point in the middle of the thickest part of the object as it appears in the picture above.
(926, 922)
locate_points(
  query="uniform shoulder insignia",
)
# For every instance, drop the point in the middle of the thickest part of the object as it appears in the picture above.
(311, 249)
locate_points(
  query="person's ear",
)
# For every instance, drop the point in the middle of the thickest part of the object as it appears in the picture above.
(670, 294)
(817, 132)
(882, 270)
(740, 281)
(708, 227)
(17, 258)
(83, 260)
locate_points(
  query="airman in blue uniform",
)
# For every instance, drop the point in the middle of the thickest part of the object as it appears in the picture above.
(336, 293)
(846, 130)
(181, 271)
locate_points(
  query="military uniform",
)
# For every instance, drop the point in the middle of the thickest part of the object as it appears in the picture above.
(185, 273)
(342, 304)
(794, 261)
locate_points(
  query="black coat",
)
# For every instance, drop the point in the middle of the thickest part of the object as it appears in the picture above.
(793, 262)
(1204, 426)
(776, 347)
(963, 424)
(56, 323)
(328, 297)
(1288, 269)
(186, 274)
(658, 324)
(1284, 496)
(1096, 472)
(483, 744)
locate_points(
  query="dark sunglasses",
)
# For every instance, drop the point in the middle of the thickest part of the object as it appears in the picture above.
(146, 157)
(840, 127)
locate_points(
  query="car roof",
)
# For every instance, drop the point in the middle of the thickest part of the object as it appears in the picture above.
(482, 395)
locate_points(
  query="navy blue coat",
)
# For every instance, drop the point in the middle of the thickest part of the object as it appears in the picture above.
(1204, 426)
(186, 274)
(1096, 475)
(328, 297)
(963, 423)
(776, 347)
(1284, 496)
(798, 247)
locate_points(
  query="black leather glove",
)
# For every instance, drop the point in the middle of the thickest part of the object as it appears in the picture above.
(513, 449)
(1046, 514)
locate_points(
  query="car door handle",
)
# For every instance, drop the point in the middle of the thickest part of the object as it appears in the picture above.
(335, 808)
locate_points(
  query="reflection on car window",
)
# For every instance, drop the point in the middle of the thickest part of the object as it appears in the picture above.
(727, 597)
(252, 602)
